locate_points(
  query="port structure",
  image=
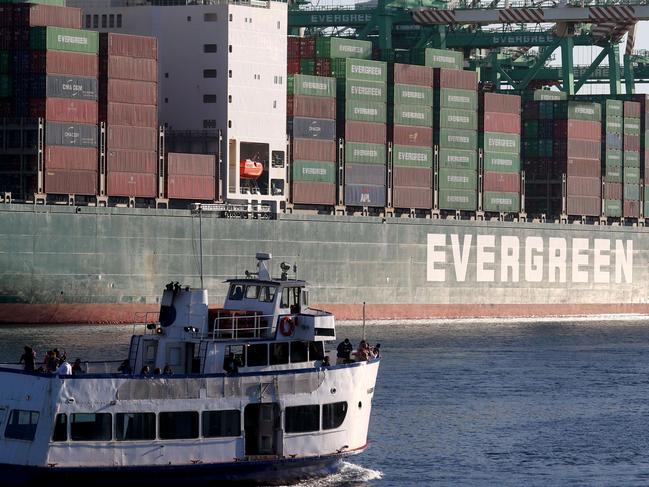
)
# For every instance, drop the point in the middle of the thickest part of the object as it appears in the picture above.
(506, 31)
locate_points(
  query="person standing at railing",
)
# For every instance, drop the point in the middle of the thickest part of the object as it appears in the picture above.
(29, 358)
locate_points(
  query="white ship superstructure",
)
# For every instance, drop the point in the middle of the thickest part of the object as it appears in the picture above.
(246, 394)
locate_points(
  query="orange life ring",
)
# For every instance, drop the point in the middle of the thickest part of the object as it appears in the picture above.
(286, 326)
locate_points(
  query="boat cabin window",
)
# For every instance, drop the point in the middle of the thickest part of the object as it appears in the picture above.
(316, 351)
(252, 292)
(236, 292)
(257, 355)
(178, 425)
(302, 419)
(291, 299)
(22, 425)
(60, 428)
(267, 294)
(333, 415)
(279, 353)
(91, 427)
(299, 352)
(221, 423)
(239, 352)
(134, 426)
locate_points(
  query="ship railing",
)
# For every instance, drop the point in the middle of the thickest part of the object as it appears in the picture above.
(233, 325)
(105, 367)
(145, 318)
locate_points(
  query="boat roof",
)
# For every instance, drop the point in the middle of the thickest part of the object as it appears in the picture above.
(272, 282)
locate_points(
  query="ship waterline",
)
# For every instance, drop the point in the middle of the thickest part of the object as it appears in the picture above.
(105, 265)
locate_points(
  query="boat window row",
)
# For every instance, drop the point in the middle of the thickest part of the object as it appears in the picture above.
(265, 294)
(275, 353)
(170, 425)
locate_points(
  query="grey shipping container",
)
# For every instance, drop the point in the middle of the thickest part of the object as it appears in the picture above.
(364, 195)
(312, 128)
(372, 174)
(72, 87)
(79, 135)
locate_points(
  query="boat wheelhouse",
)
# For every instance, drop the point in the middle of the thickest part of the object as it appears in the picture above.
(246, 395)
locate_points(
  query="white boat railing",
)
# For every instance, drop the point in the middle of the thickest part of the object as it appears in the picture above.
(246, 324)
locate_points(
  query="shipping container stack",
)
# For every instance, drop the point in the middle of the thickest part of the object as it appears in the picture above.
(645, 153)
(311, 116)
(631, 163)
(612, 156)
(500, 140)
(128, 75)
(191, 177)
(54, 77)
(361, 117)
(456, 135)
(411, 131)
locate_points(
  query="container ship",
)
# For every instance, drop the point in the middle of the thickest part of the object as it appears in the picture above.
(162, 141)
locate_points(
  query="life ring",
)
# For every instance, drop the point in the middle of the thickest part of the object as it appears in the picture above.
(286, 326)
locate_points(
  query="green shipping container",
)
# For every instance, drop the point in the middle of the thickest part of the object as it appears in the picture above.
(408, 156)
(631, 159)
(307, 66)
(613, 157)
(455, 199)
(631, 126)
(458, 179)
(304, 84)
(546, 95)
(613, 108)
(349, 89)
(501, 202)
(613, 125)
(438, 58)
(458, 139)
(631, 175)
(358, 152)
(365, 111)
(359, 69)
(412, 95)
(462, 99)
(59, 39)
(496, 162)
(646, 194)
(502, 143)
(419, 115)
(458, 159)
(530, 129)
(5, 86)
(579, 111)
(613, 208)
(338, 47)
(453, 118)
(314, 171)
(613, 173)
(632, 192)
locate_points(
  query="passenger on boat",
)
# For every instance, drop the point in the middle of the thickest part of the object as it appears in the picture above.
(76, 367)
(344, 351)
(167, 370)
(29, 358)
(325, 362)
(125, 367)
(362, 354)
(230, 364)
(157, 371)
(145, 370)
(51, 363)
(376, 351)
(64, 369)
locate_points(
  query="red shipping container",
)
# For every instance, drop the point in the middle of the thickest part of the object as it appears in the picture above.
(323, 67)
(505, 182)
(130, 115)
(311, 106)
(456, 79)
(64, 110)
(62, 62)
(584, 205)
(71, 158)
(132, 161)
(309, 193)
(418, 177)
(412, 136)
(613, 191)
(578, 186)
(631, 209)
(128, 45)
(128, 68)
(293, 47)
(410, 74)
(185, 187)
(137, 185)
(136, 138)
(632, 143)
(33, 15)
(417, 198)
(313, 150)
(125, 91)
(576, 148)
(191, 164)
(584, 167)
(368, 132)
(293, 66)
(498, 103)
(632, 109)
(577, 129)
(307, 47)
(507, 123)
(71, 182)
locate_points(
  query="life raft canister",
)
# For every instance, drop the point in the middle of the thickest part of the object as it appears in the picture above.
(286, 326)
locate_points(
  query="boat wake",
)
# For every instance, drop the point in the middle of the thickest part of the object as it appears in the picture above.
(350, 475)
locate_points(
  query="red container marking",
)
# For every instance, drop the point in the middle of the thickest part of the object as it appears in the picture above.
(307, 47)
(132, 161)
(128, 45)
(71, 158)
(137, 185)
(71, 182)
(191, 164)
(504, 182)
(186, 187)
(631, 209)
(412, 136)
(410, 74)
(310, 193)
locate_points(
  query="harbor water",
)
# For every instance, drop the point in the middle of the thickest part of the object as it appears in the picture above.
(562, 402)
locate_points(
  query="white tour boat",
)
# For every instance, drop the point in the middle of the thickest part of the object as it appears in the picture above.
(248, 399)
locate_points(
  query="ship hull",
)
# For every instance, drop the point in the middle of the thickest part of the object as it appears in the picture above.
(106, 265)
